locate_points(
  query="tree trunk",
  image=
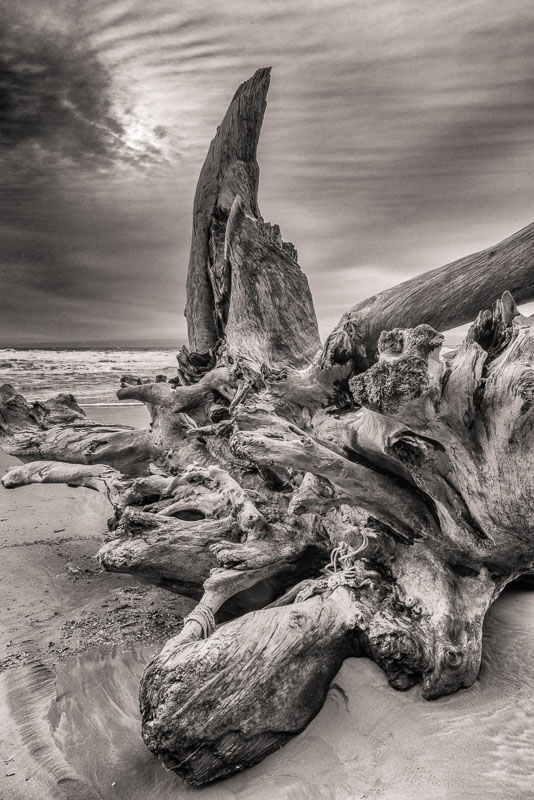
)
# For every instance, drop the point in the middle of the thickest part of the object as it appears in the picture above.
(372, 498)
(230, 169)
(443, 298)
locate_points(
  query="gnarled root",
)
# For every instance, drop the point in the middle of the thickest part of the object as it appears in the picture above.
(216, 706)
(58, 430)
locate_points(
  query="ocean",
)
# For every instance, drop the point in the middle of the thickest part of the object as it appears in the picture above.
(91, 375)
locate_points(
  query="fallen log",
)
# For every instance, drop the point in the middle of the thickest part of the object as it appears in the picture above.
(443, 298)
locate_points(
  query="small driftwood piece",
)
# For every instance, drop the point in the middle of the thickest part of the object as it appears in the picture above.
(369, 498)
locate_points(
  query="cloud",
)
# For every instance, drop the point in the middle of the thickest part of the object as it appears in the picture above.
(73, 159)
(397, 137)
(55, 96)
(59, 104)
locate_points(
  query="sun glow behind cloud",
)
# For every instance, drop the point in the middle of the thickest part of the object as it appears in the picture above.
(398, 136)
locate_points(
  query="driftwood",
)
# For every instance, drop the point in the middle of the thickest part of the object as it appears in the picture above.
(369, 498)
(443, 298)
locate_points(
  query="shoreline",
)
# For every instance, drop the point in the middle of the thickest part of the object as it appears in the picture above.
(55, 600)
(57, 606)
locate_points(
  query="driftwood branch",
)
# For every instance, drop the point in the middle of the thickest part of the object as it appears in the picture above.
(443, 298)
(59, 430)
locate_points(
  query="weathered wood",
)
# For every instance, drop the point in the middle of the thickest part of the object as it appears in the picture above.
(271, 318)
(369, 499)
(59, 430)
(243, 279)
(99, 477)
(418, 593)
(463, 431)
(269, 440)
(286, 656)
(230, 169)
(443, 298)
(201, 532)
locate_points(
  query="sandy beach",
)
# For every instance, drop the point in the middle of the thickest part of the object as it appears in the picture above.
(74, 641)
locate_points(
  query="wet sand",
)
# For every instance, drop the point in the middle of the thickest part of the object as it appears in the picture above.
(74, 641)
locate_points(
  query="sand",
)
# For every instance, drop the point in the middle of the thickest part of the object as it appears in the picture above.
(74, 641)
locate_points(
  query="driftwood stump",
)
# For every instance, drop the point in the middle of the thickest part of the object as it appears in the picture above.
(371, 497)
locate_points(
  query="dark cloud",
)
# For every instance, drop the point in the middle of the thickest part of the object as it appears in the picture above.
(58, 103)
(69, 195)
(55, 96)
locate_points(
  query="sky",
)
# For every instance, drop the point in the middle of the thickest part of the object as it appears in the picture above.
(399, 135)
